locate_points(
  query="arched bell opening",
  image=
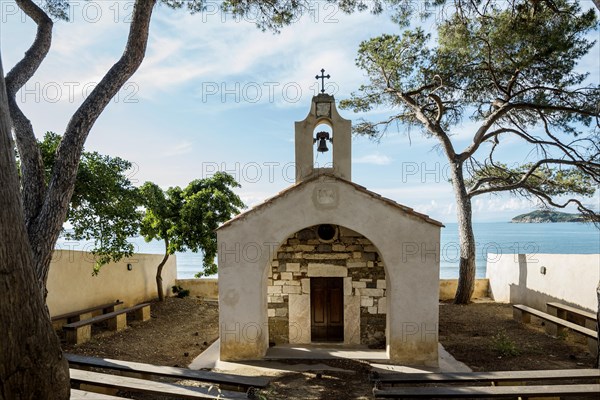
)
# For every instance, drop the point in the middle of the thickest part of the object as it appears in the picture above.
(323, 146)
(327, 283)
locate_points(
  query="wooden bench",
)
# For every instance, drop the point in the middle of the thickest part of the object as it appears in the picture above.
(491, 377)
(81, 331)
(85, 395)
(564, 311)
(581, 317)
(500, 379)
(230, 380)
(86, 313)
(523, 314)
(169, 390)
(592, 390)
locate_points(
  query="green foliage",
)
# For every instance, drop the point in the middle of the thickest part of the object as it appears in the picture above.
(508, 66)
(276, 14)
(180, 292)
(563, 334)
(104, 204)
(504, 346)
(57, 8)
(186, 219)
(263, 394)
(526, 56)
(551, 181)
(279, 13)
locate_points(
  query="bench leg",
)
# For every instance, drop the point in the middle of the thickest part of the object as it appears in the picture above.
(79, 335)
(108, 310)
(58, 324)
(143, 314)
(98, 389)
(118, 323)
(83, 317)
(521, 316)
(551, 328)
(555, 330)
(592, 343)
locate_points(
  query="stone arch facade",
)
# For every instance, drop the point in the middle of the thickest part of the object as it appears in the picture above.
(346, 255)
(408, 244)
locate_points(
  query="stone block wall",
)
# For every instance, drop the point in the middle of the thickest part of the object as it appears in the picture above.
(348, 255)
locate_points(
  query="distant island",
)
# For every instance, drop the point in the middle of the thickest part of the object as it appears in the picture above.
(539, 216)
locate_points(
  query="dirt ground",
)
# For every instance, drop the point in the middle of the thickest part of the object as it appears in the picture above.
(484, 336)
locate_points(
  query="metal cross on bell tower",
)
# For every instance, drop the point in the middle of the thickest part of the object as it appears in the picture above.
(322, 78)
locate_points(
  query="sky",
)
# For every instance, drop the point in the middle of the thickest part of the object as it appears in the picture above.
(216, 93)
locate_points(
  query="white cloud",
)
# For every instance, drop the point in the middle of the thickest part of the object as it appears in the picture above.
(503, 203)
(178, 149)
(375, 159)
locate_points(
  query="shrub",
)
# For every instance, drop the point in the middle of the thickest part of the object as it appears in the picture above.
(504, 345)
(180, 292)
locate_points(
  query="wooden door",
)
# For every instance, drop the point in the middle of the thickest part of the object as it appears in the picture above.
(327, 309)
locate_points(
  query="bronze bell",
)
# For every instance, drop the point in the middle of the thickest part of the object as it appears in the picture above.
(322, 137)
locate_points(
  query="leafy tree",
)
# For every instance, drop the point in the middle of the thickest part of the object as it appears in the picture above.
(46, 202)
(31, 366)
(186, 219)
(104, 204)
(509, 67)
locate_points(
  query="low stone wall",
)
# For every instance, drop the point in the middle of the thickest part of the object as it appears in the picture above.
(448, 289)
(209, 288)
(203, 288)
(535, 279)
(72, 287)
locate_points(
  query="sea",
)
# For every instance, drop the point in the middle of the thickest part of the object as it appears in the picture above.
(490, 237)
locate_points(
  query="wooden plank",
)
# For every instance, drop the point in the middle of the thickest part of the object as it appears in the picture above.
(172, 372)
(573, 310)
(574, 327)
(145, 386)
(83, 395)
(104, 317)
(86, 310)
(487, 391)
(491, 376)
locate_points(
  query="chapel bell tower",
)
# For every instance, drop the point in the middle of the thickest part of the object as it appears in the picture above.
(308, 140)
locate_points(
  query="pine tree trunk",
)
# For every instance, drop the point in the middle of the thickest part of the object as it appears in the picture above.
(467, 267)
(159, 281)
(31, 361)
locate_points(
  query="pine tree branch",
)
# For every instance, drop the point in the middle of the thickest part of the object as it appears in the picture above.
(64, 173)
(522, 182)
(588, 213)
(32, 167)
(480, 135)
(22, 72)
(434, 128)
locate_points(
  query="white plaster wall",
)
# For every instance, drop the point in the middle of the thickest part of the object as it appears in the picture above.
(342, 141)
(72, 287)
(408, 245)
(569, 278)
